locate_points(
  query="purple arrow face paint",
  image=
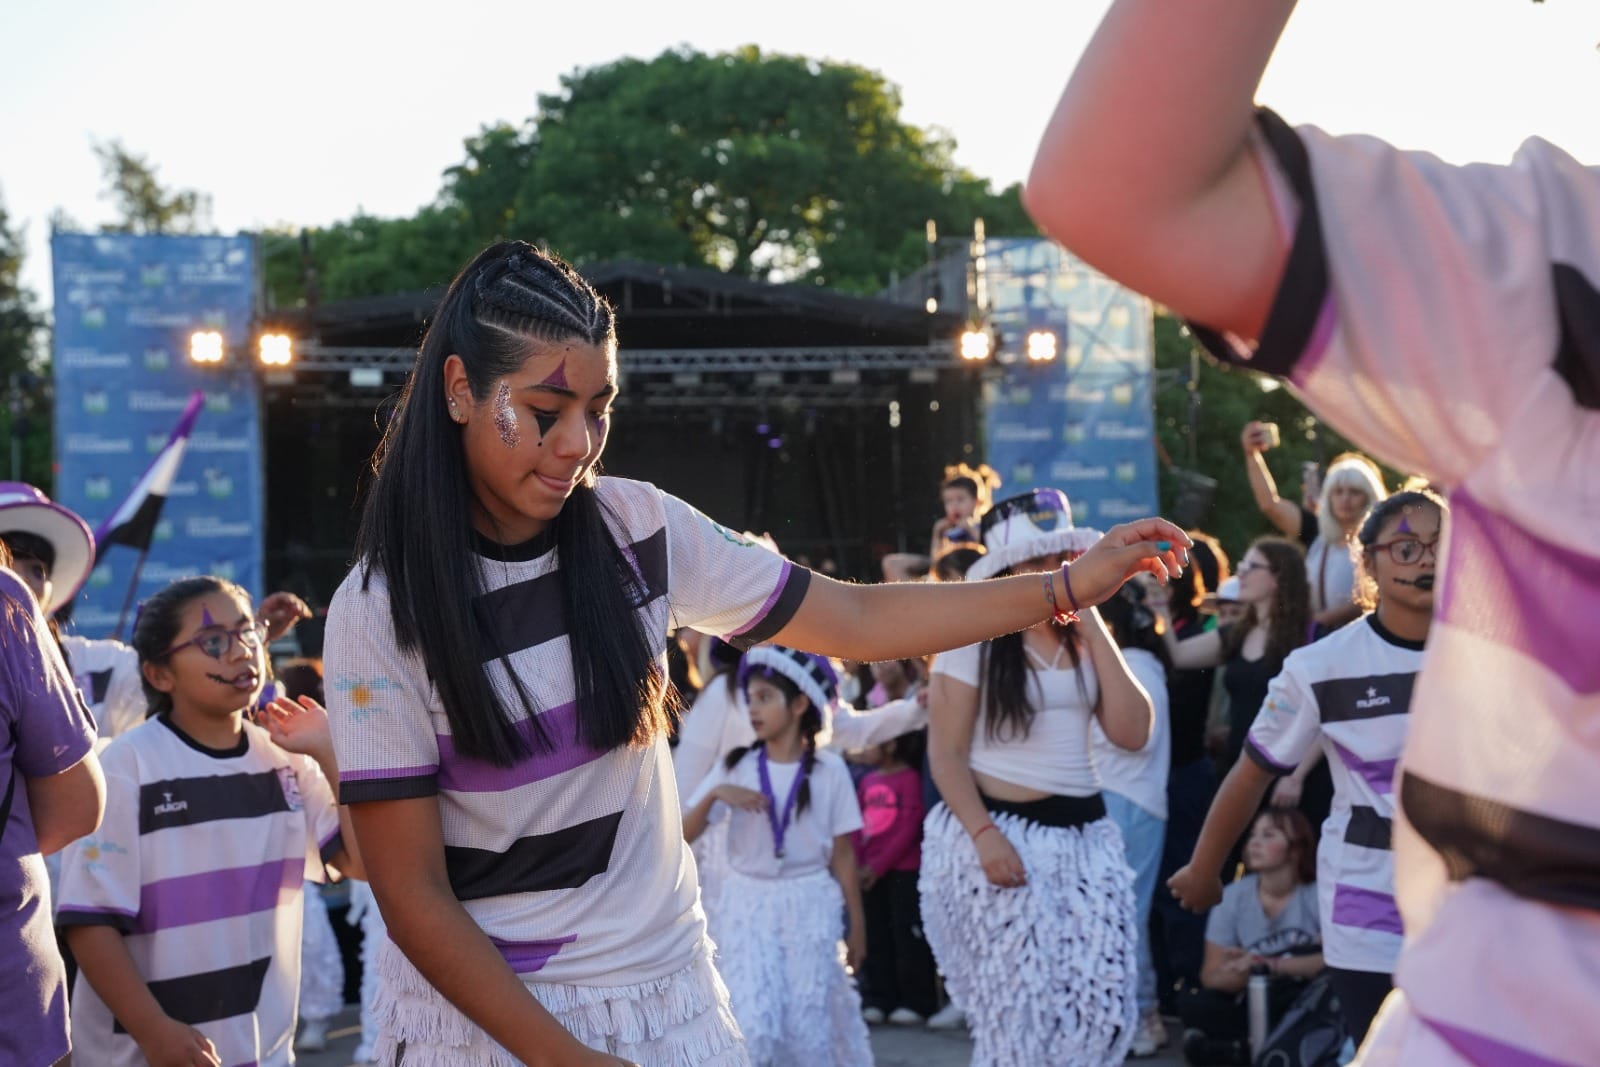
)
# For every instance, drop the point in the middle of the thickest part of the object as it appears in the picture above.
(505, 418)
(557, 379)
(1404, 527)
(206, 621)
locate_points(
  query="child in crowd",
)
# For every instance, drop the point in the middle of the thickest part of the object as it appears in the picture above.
(184, 908)
(899, 972)
(792, 870)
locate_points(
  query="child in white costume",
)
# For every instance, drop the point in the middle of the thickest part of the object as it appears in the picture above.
(792, 870)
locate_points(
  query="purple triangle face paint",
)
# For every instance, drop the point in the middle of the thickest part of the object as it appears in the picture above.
(505, 418)
(557, 379)
(1404, 527)
(206, 621)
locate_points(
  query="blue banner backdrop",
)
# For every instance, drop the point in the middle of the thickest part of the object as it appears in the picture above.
(1084, 422)
(125, 306)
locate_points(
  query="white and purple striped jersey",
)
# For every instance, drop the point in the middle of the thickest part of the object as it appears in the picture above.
(1351, 694)
(572, 860)
(199, 863)
(1447, 319)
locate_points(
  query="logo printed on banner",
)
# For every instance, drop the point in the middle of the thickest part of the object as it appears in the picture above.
(153, 276)
(1070, 470)
(1022, 472)
(88, 444)
(90, 359)
(1073, 433)
(94, 318)
(1127, 471)
(211, 526)
(1122, 394)
(156, 359)
(151, 401)
(154, 442)
(219, 402)
(1018, 432)
(97, 488)
(163, 530)
(219, 486)
(1116, 431)
(96, 403)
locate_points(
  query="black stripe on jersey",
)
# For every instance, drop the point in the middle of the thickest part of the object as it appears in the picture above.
(1304, 288)
(408, 788)
(99, 685)
(190, 801)
(1368, 829)
(1532, 855)
(562, 859)
(213, 995)
(527, 614)
(1578, 359)
(788, 602)
(1348, 699)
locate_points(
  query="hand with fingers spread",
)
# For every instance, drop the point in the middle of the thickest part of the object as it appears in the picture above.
(1155, 546)
(299, 726)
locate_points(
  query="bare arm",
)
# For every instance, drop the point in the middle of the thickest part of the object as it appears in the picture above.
(1167, 90)
(404, 847)
(1225, 969)
(843, 866)
(1198, 885)
(1284, 514)
(106, 964)
(952, 716)
(904, 620)
(1125, 710)
(68, 805)
(1307, 966)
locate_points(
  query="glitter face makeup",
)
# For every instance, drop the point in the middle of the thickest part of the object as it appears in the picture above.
(505, 419)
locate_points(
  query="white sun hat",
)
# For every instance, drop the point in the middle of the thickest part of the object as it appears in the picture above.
(1033, 524)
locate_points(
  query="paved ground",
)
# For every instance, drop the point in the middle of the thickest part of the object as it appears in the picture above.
(892, 1046)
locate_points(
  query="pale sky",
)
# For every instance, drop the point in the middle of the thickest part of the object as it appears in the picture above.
(305, 112)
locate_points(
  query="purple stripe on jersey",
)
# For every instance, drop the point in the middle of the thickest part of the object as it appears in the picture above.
(1519, 591)
(463, 774)
(1486, 1051)
(527, 957)
(210, 895)
(1365, 908)
(380, 773)
(1263, 759)
(1379, 774)
(777, 591)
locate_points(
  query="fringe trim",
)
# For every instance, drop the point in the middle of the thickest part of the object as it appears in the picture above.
(321, 966)
(682, 1020)
(1046, 973)
(784, 965)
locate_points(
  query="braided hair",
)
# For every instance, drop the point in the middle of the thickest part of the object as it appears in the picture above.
(417, 531)
(810, 727)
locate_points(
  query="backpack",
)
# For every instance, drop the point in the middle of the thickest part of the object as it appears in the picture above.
(1310, 1033)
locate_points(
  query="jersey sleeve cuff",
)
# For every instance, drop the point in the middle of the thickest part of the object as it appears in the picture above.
(408, 787)
(777, 611)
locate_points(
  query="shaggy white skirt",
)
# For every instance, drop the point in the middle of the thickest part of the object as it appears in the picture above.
(682, 1020)
(778, 948)
(711, 863)
(1046, 971)
(321, 966)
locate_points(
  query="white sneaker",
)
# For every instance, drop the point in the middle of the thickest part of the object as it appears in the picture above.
(905, 1017)
(313, 1036)
(872, 1016)
(948, 1017)
(1150, 1037)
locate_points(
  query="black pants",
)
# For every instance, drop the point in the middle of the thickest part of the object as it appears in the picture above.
(1178, 937)
(898, 972)
(1361, 994)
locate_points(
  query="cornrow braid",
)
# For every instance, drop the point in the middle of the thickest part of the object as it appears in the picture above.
(810, 727)
(534, 293)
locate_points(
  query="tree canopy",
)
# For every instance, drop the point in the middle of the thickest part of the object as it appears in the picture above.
(760, 164)
(145, 205)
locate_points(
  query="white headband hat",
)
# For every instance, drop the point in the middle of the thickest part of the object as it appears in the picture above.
(1033, 524)
(812, 675)
(24, 509)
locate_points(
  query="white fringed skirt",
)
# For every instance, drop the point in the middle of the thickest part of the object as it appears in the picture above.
(682, 1020)
(1045, 971)
(321, 965)
(778, 948)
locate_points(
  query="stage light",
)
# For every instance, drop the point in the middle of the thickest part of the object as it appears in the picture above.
(1041, 346)
(275, 349)
(205, 347)
(976, 345)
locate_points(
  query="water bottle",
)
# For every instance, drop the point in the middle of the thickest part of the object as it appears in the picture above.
(1256, 999)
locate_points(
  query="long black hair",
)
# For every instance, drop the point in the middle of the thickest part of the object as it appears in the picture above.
(417, 527)
(160, 618)
(810, 727)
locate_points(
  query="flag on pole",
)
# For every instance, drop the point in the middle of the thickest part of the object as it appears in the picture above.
(134, 522)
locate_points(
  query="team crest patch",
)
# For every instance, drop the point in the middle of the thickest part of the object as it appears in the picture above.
(289, 782)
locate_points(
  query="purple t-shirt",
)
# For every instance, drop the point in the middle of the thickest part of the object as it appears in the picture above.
(44, 729)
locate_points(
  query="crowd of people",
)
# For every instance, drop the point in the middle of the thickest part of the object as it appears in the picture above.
(1052, 784)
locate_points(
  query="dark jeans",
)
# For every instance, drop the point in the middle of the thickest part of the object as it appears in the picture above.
(1178, 937)
(898, 972)
(1361, 994)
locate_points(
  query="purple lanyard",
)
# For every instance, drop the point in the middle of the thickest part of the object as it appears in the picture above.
(779, 828)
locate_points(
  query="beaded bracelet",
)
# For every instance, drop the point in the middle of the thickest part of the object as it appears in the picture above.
(1061, 617)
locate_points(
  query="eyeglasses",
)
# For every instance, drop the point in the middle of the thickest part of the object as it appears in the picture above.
(1409, 550)
(1247, 566)
(217, 642)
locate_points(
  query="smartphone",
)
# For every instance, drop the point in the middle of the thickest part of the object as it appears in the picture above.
(1270, 429)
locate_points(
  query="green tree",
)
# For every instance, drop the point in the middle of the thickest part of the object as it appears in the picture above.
(1229, 397)
(24, 374)
(145, 205)
(763, 165)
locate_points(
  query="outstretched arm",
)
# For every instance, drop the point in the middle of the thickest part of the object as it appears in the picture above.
(1284, 514)
(1167, 90)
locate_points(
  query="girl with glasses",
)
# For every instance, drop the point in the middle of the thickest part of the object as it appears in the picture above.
(1350, 696)
(184, 908)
